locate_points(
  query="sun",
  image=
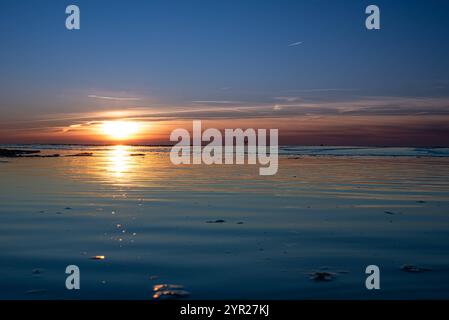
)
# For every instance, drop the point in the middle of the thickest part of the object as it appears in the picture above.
(120, 130)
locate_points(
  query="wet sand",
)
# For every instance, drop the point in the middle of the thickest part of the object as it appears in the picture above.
(223, 232)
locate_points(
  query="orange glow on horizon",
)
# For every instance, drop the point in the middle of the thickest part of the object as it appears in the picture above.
(413, 130)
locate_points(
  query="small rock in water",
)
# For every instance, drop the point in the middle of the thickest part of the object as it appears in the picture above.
(240, 222)
(322, 276)
(413, 269)
(68, 208)
(82, 154)
(389, 212)
(216, 221)
(37, 271)
(169, 291)
(421, 201)
(168, 294)
(158, 287)
(97, 257)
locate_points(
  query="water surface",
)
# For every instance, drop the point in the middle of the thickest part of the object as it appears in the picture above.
(333, 209)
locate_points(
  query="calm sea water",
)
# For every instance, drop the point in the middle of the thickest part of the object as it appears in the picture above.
(328, 209)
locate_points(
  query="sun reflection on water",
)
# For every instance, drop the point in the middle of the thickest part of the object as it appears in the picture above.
(119, 161)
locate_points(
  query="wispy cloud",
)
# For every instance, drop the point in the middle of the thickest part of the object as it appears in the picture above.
(93, 96)
(414, 118)
(288, 99)
(363, 106)
(215, 102)
(323, 90)
(399, 109)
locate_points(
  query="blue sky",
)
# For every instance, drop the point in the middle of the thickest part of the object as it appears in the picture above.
(166, 56)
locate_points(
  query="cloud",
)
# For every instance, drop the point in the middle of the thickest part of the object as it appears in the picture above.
(323, 90)
(288, 99)
(215, 102)
(294, 44)
(356, 120)
(387, 108)
(367, 106)
(93, 96)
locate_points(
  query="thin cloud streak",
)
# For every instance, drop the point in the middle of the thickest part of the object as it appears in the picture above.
(318, 90)
(216, 102)
(404, 117)
(368, 106)
(93, 96)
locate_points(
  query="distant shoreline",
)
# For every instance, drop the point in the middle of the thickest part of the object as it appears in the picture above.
(46, 151)
(171, 145)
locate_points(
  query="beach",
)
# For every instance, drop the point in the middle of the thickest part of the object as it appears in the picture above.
(225, 232)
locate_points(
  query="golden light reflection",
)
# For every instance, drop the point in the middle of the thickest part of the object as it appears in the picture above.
(119, 160)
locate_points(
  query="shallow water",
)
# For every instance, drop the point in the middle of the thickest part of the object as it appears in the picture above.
(149, 219)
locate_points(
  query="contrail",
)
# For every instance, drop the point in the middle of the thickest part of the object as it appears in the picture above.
(295, 44)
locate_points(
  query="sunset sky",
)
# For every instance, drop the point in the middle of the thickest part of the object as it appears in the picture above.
(309, 68)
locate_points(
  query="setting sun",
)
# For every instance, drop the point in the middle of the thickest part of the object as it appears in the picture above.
(120, 130)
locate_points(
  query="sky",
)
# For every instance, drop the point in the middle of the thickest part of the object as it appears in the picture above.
(309, 68)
